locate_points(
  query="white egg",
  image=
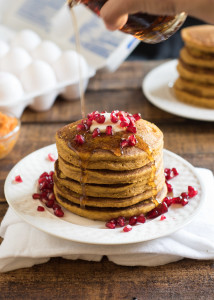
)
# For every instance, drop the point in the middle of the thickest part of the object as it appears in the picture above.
(16, 60)
(38, 77)
(4, 48)
(27, 39)
(47, 51)
(70, 66)
(10, 88)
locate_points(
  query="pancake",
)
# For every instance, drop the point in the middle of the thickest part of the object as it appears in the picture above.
(195, 84)
(199, 37)
(113, 173)
(202, 61)
(104, 176)
(192, 87)
(198, 74)
(104, 214)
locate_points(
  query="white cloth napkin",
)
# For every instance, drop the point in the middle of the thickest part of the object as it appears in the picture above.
(24, 246)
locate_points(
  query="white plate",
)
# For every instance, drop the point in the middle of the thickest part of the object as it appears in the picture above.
(157, 87)
(75, 228)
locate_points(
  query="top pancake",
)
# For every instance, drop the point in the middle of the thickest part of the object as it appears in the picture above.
(104, 152)
(199, 37)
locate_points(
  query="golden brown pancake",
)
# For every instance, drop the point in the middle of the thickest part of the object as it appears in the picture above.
(200, 61)
(198, 74)
(195, 84)
(200, 37)
(101, 178)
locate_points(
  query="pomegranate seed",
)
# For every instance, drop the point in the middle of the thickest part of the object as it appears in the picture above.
(93, 115)
(110, 225)
(109, 130)
(100, 119)
(50, 203)
(175, 172)
(184, 202)
(88, 123)
(40, 208)
(121, 221)
(192, 192)
(96, 132)
(168, 201)
(122, 115)
(152, 214)
(132, 140)
(56, 206)
(124, 122)
(42, 179)
(44, 195)
(131, 121)
(162, 208)
(133, 220)
(170, 173)
(184, 195)
(131, 129)
(43, 175)
(141, 219)
(127, 228)
(162, 218)
(79, 139)
(114, 118)
(176, 200)
(137, 116)
(169, 187)
(36, 196)
(80, 127)
(113, 221)
(51, 157)
(51, 173)
(18, 179)
(124, 143)
(58, 212)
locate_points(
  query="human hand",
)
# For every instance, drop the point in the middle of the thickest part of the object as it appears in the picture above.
(115, 12)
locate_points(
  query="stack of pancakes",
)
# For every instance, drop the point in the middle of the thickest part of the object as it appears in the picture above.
(100, 180)
(196, 67)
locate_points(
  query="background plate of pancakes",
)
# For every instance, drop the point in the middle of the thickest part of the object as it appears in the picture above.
(75, 228)
(158, 89)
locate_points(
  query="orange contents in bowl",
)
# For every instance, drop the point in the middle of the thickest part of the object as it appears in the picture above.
(9, 130)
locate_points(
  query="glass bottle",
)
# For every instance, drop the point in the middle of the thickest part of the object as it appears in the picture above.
(147, 28)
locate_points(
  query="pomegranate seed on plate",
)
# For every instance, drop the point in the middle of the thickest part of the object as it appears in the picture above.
(192, 192)
(127, 228)
(110, 225)
(132, 220)
(36, 196)
(51, 157)
(58, 212)
(121, 221)
(18, 179)
(40, 208)
(141, 219)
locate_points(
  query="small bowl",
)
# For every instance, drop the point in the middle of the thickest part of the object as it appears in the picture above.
(8, 141)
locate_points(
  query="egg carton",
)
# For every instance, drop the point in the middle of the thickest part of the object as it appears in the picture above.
(34, 71)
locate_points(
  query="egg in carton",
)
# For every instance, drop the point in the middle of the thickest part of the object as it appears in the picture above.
(33, 72)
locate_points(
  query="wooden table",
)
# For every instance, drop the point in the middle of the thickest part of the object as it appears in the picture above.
(67, 279)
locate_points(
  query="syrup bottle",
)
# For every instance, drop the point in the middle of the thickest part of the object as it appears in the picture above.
(147, 28)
